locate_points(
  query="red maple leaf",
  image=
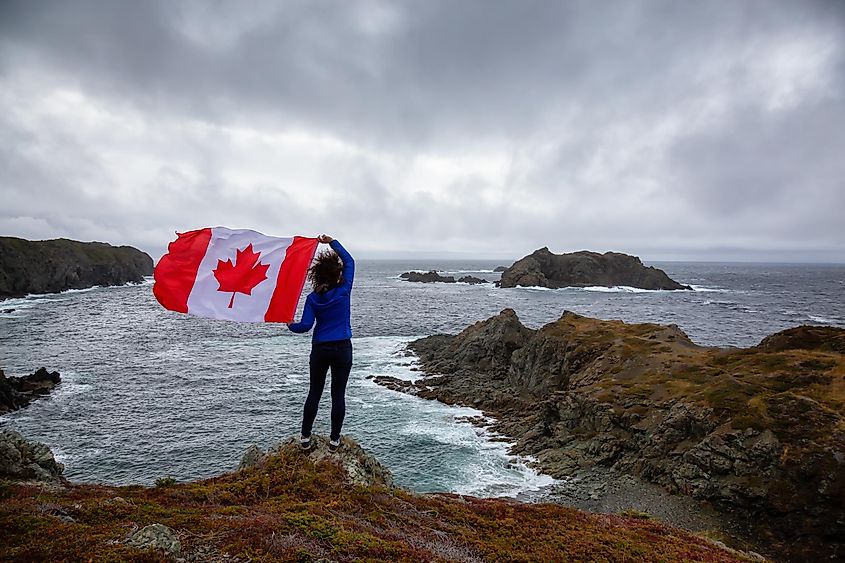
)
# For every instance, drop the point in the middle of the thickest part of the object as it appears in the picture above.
(243, 275)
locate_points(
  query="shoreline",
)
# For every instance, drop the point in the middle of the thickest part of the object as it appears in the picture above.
(601, 490)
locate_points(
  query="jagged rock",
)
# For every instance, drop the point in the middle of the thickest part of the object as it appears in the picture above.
(758, 432)
(500, 268)
(49, 266)
(427, 277)
(18, 392)
(542, 268)
(361, 468)
(395, 383)
(472, 280)
(156, 536)
(21, 459)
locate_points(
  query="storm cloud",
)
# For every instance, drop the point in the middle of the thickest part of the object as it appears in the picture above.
(681, 130)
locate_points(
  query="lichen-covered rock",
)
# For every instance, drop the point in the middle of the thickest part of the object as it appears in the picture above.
(21, 459)
(361, 468)
(156, 536)
(542, 268)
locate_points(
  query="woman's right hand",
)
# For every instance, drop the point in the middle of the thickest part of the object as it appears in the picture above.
(325, 239)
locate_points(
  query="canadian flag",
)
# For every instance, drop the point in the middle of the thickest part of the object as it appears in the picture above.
(234, 274)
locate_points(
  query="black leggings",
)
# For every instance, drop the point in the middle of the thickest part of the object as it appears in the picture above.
(336, 355)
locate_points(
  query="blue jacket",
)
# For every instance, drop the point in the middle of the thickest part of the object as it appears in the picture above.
(331, 309)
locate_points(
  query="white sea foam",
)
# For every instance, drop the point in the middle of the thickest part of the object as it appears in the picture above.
(618, 289)
(823, 320)
(488, 468)
(470, 272)
(703, 289)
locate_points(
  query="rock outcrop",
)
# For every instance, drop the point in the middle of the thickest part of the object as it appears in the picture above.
(21, 459)
(759, 432)
(361, 468)
(18, 392)
(432, 276)
(49, 266)
(542, 268)
(427, 277)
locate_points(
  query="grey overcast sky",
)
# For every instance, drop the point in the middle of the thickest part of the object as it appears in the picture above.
(668, 129)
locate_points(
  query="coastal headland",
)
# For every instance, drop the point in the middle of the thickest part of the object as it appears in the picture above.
(51, 266)
(757, 433)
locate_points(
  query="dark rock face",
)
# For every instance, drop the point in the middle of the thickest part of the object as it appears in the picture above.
(51, 266)
(427, 277)
(500, 268)
(583, 269)
(18, 392)
(757, 432)
(21, 459)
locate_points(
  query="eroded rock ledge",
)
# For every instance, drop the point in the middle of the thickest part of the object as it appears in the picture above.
(758, 432)
(542, 268)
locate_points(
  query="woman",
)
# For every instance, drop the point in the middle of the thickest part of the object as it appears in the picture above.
(331, 346)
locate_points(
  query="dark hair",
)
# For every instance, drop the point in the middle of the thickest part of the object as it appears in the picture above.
(325, 272)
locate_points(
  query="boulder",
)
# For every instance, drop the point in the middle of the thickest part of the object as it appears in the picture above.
(361, 468)
(500, 268)
(23, 460)
(542, 268)
(156, 536)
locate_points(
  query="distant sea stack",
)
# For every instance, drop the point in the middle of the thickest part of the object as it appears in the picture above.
(542, 268)
(50, 266)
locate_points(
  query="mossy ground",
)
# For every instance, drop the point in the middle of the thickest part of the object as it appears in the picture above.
(290, 509)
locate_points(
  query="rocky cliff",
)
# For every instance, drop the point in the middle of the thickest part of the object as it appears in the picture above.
(49, 266)
(759, 432)
(542, 268)
(289, 505)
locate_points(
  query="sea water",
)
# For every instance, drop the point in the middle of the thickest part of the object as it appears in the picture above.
(148, 393)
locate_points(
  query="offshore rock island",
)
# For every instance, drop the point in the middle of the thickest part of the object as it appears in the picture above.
(758, 433)
(289, 505)
(542, 268)
(18, 392)
(51, 266)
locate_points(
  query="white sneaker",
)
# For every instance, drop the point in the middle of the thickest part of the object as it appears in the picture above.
(334, 445)
(305, 443)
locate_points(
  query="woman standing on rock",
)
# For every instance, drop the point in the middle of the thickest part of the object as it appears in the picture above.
(331, 346)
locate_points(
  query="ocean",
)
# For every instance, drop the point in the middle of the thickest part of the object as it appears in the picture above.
(148, 393)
